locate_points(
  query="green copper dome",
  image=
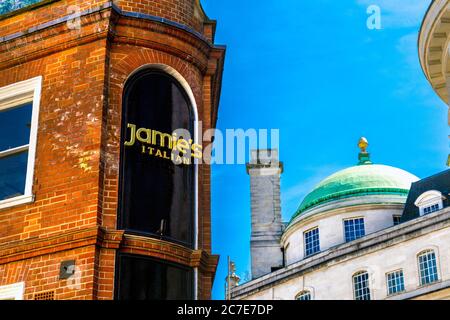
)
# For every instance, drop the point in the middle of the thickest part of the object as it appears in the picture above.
(364, 179)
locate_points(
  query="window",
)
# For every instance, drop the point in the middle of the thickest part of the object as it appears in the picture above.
(304, 295)
(361, 286)
(354, 229)
(395, 282)
(157, 196)
(312, 244)
(429, 202)
(12, 291)
(427, 267)
(431, 209)
(397, 220)
(145, 278)
(19, 112)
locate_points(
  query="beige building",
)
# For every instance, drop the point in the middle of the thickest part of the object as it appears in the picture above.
(434, 48)
(368, 232)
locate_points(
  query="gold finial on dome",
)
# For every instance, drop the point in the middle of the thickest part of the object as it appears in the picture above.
(363, 144)
(364, 156)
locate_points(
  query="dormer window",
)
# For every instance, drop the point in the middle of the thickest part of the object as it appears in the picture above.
(431, 209)
(429, 202)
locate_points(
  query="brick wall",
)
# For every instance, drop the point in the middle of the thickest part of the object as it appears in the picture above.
(77, 158)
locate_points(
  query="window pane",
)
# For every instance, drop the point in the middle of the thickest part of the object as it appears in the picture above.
(143, 278)
(396, 282)
(15, 126)
(13, 171)
(354, 229)
(157, 196)
(361, 286)
(312, 242)
(305, 295)
(428, 268)
(431, 209)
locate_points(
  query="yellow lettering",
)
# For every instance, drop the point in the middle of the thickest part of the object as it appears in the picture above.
(162, 139)
(147, 138)
(198, 153)
(182, 146)
(132, 135)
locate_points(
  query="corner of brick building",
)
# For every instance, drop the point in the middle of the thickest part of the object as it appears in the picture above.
(74, 213)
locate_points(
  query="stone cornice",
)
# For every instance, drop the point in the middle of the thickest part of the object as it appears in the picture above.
(433, 45)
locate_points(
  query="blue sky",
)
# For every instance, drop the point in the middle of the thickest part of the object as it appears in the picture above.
(313, 70)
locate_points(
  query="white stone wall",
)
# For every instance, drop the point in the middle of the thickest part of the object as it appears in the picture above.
(330, 220)
(266, 224)
(335, 280)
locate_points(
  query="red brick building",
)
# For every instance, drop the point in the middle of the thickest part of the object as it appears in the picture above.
(79, 209)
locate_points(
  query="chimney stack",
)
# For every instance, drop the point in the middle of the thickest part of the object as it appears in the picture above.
(265, 171)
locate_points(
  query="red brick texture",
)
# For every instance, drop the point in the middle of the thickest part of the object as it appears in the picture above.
(74, 214)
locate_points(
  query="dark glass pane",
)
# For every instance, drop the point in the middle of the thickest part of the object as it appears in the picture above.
(13, 172)
(15, 126)
(143, 278)
(154, 191)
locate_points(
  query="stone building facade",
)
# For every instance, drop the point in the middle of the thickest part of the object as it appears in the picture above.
(70, 62)
(433, 49)
(369, 231)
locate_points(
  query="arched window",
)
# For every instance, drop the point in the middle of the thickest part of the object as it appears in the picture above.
(361, 288)
(304, 295)
(157, 186)
(428, 272)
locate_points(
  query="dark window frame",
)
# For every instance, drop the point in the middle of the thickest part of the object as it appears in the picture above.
(120, 222)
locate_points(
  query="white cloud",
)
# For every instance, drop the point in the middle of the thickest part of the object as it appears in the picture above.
(292, 197)
(399, 13)
(411, 80)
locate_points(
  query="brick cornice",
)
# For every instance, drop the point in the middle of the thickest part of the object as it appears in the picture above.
(41, 41)
(193, 45)
(120, 27)
(169, 251)
(33, 247)
(109, 239)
